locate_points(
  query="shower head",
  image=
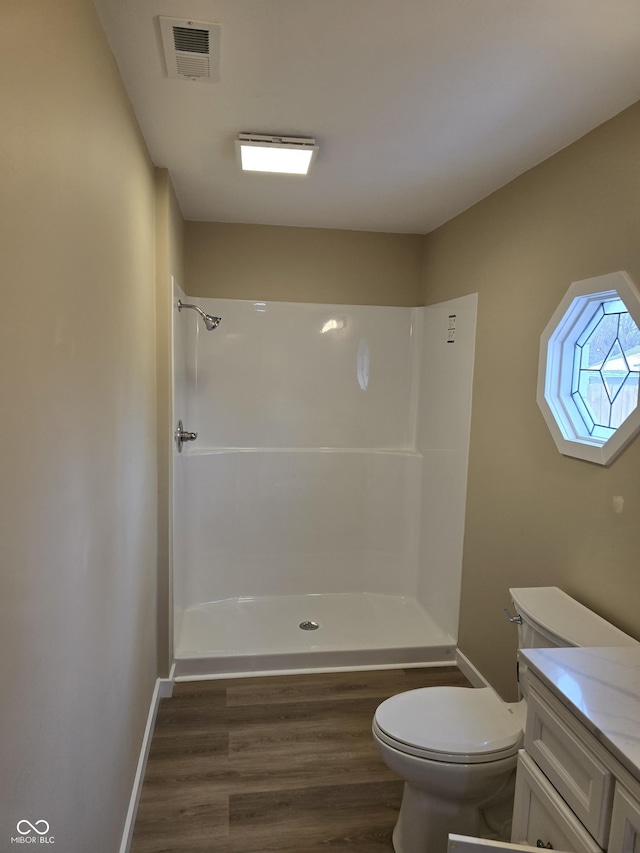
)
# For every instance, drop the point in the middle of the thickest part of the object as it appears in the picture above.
(210, 322)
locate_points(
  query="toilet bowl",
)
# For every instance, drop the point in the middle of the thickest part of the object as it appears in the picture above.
(456, 748)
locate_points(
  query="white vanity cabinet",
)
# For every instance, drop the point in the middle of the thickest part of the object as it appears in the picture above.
(541, 818)
(625, 821)
(572, 794)
(578, 778)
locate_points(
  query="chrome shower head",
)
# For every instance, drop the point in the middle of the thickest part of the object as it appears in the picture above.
(210, 322)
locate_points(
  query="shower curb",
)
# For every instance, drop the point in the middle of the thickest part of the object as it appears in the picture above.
(312, 661)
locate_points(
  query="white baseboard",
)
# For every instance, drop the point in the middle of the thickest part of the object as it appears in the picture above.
(162, 690)
(469, 670)
(165, 688)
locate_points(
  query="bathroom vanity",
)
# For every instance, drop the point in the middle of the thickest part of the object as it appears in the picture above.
(578, 778)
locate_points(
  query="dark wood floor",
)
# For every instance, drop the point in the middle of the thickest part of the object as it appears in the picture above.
(282, 763)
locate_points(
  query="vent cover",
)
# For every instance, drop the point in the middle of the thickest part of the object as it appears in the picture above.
(191, 49)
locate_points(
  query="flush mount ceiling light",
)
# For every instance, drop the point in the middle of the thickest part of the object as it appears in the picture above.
(287, 155)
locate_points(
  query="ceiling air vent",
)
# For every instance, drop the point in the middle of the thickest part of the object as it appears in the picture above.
(191, 49)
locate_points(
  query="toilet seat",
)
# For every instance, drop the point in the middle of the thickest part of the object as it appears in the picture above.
(450, 724)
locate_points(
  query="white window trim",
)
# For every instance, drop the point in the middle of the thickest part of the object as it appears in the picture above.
(555, 368)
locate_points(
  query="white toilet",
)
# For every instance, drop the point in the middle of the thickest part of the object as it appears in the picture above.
(456, 748)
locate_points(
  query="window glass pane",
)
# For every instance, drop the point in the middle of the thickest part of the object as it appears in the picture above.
(577, 361)
(603, 432)
(593, 322)
(614, 306)
(625, 401)
(584, 412)
(600, 341)
(594, 396)
(629, 337)
(614, 371)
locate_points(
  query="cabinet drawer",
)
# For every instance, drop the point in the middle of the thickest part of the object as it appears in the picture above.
(568, 755)
(539, 814)
(625, 823)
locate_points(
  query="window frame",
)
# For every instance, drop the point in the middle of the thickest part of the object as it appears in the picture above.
(556, 368)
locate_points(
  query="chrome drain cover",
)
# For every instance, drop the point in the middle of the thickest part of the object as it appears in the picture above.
(309, 626)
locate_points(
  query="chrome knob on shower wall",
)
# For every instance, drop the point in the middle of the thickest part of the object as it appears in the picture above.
(182, 435)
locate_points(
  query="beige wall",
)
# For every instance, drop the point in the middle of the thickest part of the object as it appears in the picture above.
(535, 517)
(302, 264)
(169, 263)
(77, 384)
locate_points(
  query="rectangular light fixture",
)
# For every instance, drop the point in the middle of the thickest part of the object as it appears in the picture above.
(287, 155)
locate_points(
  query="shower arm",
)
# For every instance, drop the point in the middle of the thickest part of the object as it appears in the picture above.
(182, 305)
(209, 321)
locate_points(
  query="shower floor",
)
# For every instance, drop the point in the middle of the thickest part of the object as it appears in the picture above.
(263, 634)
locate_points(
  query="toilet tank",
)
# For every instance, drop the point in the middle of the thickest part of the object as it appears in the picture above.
(551, 618)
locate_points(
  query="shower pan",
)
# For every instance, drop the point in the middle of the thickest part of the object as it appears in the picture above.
(319, 516)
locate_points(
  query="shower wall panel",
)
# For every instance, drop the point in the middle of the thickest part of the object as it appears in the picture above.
(442, 439)
(180, 369)
(303, 478)
(282, 374)
(276, 522)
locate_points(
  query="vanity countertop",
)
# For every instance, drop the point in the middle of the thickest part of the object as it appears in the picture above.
(601, 687)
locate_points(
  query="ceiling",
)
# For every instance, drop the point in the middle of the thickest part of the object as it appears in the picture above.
(420, 107)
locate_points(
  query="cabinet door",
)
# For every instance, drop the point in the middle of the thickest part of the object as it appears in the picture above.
(541, 817)
(569, 757)
(625, 823)
(466, 844)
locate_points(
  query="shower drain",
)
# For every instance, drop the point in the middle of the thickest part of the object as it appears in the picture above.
(309, 626)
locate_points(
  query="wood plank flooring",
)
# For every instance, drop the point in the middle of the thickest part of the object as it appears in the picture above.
(281, 763)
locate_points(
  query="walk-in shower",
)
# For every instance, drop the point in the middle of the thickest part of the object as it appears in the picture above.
(319, 515)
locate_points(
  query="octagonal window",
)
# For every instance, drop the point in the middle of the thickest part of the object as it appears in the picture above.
(590, 367)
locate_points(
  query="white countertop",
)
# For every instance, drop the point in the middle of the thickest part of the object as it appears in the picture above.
(601, 686)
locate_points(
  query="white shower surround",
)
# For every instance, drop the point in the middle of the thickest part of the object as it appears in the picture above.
(330, 463)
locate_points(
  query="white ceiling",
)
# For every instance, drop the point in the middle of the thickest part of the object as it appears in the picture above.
(420, 107)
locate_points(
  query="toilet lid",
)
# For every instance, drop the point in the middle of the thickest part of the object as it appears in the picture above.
(455, 724)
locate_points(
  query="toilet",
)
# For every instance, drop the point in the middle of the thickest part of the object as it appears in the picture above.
(456, 748)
